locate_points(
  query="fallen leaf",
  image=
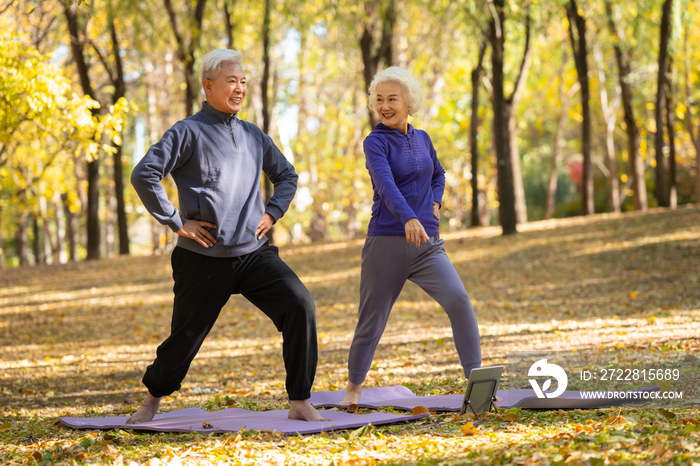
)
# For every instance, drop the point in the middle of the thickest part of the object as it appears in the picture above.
(469, 429)
(75, 449)
(420, 410)
(109, 451)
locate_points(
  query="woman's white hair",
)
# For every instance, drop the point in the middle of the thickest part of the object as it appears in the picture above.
(212, 62)
(412, 91)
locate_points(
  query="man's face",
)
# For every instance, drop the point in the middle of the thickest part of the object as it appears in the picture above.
(227, 91)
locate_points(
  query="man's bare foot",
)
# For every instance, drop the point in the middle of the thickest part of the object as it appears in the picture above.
(148, 409)
(303, 411)
(352, 396)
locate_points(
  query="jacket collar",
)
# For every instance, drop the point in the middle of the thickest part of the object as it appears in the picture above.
(217, 115)
(382, 128)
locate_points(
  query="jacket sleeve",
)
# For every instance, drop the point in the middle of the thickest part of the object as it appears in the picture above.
(282, 176)
(162, 158)
(438, 181)
(383, 180)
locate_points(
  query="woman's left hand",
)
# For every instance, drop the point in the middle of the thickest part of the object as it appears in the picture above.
(436, 210)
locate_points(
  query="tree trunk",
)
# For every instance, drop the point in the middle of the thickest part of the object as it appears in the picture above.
(506, 193)
(610, 116)
(2, 245)
(371, 54)
(93, 210)
(639, 188)
(553, 176)
(60, 253)
(119, 92)
(46, 246)
(518, 187)
(186, 48)
(93, 167)
(511, 106)
(156, 229)
(22, 238)
(71, 229)
(580, 49)
(266, 110)
(670, 124)
(110, 204)
(689, 102)
(615, 203)
(228, 21)
(36, 249)
(473, 138)
(660, 171)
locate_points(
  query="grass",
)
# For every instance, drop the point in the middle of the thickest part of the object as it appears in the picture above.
(76, 338)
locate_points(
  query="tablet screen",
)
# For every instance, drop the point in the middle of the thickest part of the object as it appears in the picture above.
(482, 386)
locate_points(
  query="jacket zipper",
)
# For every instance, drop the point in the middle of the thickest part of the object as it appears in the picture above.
(230, 130)
(415, 183)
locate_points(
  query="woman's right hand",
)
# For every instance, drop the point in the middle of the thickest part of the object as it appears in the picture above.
(193, 229)
(415, 232)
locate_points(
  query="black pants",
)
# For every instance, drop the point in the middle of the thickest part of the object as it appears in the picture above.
(204, 284)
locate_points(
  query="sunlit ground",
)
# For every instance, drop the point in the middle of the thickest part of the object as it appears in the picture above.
(76, 338)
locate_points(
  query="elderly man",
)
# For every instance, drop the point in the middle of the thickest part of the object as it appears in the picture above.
(216, 161)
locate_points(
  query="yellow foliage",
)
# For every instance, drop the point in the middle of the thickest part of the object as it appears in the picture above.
(469, 429)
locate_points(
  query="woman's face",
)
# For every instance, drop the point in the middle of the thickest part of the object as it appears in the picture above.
(391, 106)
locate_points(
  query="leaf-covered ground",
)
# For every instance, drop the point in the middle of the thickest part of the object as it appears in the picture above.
(75, 339)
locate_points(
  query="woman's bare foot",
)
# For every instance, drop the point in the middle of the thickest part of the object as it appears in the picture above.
(303, 411)
(148, 409)
(352, 397)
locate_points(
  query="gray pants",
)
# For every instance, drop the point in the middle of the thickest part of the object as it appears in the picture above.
(387, 262)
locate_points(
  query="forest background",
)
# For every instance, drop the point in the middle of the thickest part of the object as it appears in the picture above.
(537, 108)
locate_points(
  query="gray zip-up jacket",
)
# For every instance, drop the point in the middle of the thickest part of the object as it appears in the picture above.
(216, 161)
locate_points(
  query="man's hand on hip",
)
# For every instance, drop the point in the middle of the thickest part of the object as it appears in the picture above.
(194, 229)
(264, 226)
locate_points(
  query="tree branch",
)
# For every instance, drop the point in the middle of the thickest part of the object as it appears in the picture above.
(525, 64)
(7, 7)
(182, 54)
(103, 60)
(483, 31)
(387, 33)
(572, 18)
(197, 30)
(119, 87)
(496, 19)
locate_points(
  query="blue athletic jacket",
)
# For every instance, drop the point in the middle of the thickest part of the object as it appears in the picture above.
(216, 161)
(406, 177)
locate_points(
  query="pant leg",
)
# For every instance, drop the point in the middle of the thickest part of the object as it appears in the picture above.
(202, 287)
(267, 282)
(383, 275)
(434, 273)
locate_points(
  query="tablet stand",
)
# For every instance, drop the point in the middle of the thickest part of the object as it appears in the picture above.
(467, 403)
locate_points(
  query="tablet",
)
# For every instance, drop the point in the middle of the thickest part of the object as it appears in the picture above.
(481, 389)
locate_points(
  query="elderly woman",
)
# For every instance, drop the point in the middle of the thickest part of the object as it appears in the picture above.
(403, 241)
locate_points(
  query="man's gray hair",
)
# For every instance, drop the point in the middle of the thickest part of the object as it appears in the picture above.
(212, 62)
(412, 91)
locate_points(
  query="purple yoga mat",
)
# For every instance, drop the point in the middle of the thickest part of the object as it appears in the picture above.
(233, 419)
(403, 398)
